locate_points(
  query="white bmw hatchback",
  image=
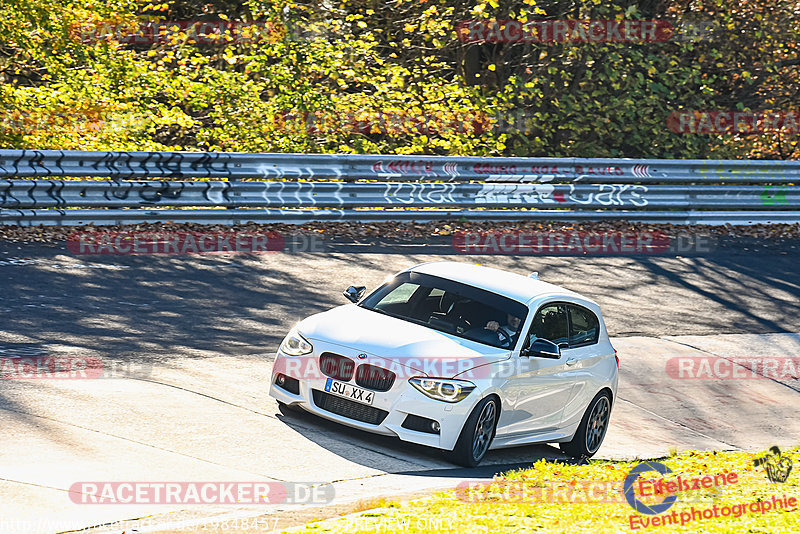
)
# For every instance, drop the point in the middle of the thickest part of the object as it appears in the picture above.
(459, 357)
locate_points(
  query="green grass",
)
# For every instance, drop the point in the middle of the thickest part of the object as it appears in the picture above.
(552, 497)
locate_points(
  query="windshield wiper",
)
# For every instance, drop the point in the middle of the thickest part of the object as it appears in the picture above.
(428, 325)
(405, 318)
(379, 311)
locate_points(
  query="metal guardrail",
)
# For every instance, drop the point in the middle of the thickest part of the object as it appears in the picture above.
(296, 188)
(239, 166)
(121, 194)
(79, 217)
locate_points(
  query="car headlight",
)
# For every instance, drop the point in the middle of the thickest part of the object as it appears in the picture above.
(443, 389)
(296, 345)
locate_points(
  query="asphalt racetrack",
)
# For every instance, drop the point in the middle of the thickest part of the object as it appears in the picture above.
(193, 339)
(161, 307)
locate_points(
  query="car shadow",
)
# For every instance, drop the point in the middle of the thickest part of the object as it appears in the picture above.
(390, 454)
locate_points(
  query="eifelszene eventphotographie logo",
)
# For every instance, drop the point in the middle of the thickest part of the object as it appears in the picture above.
(630, 495)
(674, 489)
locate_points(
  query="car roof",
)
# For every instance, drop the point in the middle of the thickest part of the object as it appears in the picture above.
(516, 286)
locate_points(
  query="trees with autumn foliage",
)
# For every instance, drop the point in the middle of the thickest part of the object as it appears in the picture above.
(362, 76)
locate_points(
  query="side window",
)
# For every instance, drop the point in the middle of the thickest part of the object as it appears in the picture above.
(584, 326)
(550, 323)
(398, 295)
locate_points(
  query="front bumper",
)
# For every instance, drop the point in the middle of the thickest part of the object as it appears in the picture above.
(395, 406)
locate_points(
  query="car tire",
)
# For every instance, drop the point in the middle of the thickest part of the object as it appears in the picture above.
(592, 430)
(477, 434)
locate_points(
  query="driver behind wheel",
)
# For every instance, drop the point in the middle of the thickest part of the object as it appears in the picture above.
(511, 328)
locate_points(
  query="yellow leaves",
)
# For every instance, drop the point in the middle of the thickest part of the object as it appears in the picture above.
(229, 57)
(156, 7)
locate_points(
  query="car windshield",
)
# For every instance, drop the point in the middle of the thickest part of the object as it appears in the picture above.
(459, 309)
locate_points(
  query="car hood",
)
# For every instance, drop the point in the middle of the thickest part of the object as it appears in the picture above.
(423, 349)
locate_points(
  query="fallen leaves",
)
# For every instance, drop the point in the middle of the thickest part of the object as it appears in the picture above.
(404, 230)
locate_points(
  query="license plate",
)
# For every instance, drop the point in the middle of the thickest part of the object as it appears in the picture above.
(347, 391)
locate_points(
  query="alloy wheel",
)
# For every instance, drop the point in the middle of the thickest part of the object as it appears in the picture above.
(483, 431)
(597, 424)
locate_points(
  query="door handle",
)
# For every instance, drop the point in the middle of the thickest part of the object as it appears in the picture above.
(572, 361)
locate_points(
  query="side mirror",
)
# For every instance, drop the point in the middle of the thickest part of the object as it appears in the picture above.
(542, 348)
(354, 293)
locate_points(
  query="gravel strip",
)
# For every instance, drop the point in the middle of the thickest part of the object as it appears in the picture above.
(403, 231)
